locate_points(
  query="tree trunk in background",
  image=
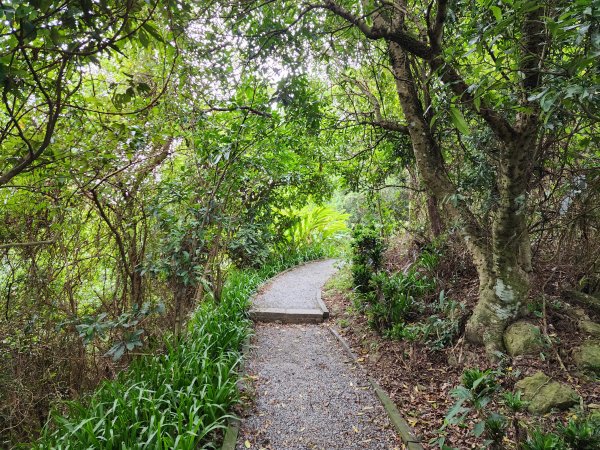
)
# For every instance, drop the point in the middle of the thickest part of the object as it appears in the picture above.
(435, 219)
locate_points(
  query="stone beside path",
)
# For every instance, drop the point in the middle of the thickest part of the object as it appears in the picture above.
(307, 393)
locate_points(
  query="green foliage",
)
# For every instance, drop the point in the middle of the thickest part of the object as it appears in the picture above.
(440, 329)
(581, 433)
(179, 399)
(396, 297)
(367, 256)
(495, 427)
(126, 325)
(393, 302)
(478, 386)
(513, 401)
(472, 396)
(175, 400)
(539, 440)
(250, 246)
(48, 50)
(315, 225)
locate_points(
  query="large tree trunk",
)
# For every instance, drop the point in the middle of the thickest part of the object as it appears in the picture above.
(504, 284)
(435, 219)
(502, 257)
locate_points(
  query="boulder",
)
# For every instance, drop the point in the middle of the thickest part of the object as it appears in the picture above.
(587, 356)
(589, 327)
(544, 395)
(523, 338)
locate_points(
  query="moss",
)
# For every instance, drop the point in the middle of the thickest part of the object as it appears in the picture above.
(544, 395)
(522, 338)
(589, 327)
(588, 356)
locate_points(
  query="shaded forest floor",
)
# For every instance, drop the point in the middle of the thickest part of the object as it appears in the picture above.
(419, 380)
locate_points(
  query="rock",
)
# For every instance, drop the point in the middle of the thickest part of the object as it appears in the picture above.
(522, 338)
(587, 356)
(589, 327)
(452, 361)
(543, 394)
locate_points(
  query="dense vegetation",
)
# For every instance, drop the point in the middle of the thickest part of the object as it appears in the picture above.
(158, 156)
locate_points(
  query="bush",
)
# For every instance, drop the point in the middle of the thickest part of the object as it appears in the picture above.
(581, 434)
(367, 256)
(396, 298)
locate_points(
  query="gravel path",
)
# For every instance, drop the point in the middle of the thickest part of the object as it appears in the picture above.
(307, 393)
(296, 288)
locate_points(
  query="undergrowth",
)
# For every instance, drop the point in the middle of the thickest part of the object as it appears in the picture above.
(179, 399)
(403, 305)
(495, 422)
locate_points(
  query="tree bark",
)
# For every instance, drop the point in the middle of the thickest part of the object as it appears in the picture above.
(435, 219)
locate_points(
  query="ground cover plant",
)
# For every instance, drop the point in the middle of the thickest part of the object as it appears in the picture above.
(451, 394)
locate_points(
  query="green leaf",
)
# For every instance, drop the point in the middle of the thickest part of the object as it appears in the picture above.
(479, 429)
(150, 29)
(459, 121)
(497, 12)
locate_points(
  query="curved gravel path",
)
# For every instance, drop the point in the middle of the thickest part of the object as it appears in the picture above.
(307, 393)
(296, 289)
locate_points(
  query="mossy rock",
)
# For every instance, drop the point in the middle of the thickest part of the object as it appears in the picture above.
(589, 327)
(523, 338)
(587, 356)
(544, 395)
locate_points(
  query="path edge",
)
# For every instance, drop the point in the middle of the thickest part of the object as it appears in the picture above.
(322, 305)
(233, 427)
(410, 440)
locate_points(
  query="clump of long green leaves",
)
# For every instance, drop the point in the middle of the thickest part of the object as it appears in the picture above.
(315, 227)
(177, 400)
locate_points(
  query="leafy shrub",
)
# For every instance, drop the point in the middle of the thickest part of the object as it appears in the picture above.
(249, 246)
(321, 226)
(476, 391)
(481, 384)
(441, 328)
(396, 298)
(367, 256)
(513, 401)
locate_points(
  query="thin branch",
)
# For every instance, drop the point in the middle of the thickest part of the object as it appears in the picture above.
(26, 244)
